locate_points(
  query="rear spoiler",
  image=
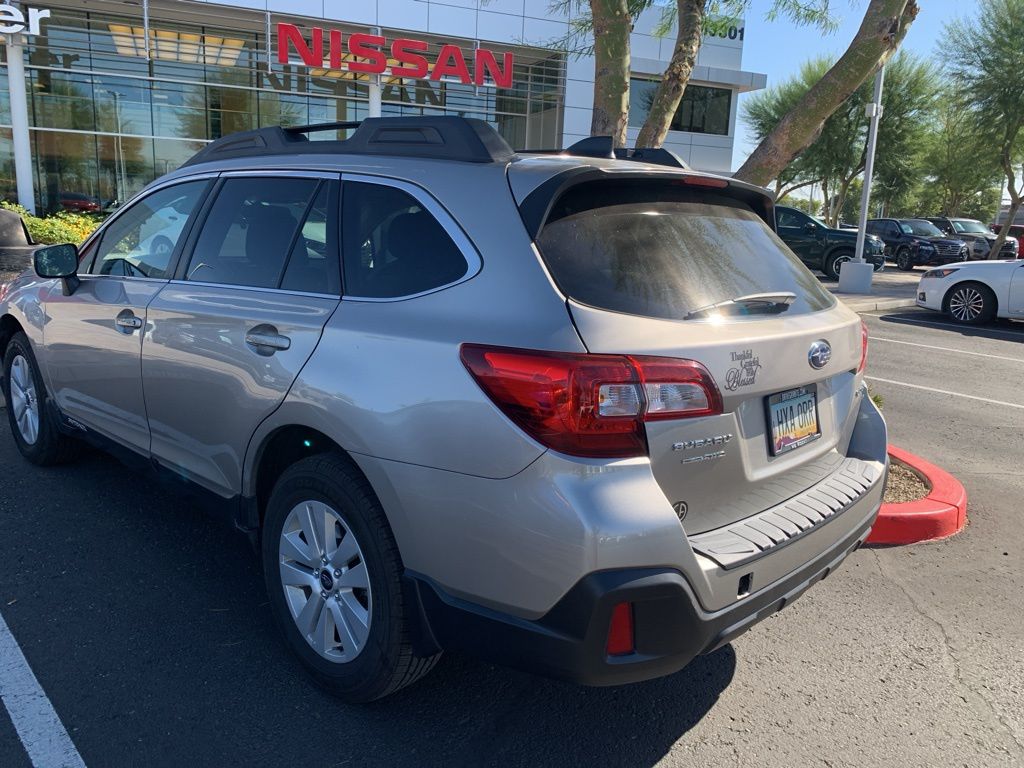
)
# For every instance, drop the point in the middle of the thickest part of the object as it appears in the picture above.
(536, 207)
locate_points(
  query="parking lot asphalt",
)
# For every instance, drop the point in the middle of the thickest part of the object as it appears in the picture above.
(147, 627)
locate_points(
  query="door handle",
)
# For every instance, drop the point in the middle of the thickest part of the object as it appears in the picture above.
(266, 340)
(127, 322)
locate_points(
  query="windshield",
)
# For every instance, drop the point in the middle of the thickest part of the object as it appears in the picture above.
(920, 227)
(971, 226)
(660, 250)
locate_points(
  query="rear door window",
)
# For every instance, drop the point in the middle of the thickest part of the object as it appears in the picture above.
(659, 250)
(253, 229)
(393, 245)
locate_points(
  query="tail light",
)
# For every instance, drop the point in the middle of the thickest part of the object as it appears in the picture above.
(863, 347)
(591, 405)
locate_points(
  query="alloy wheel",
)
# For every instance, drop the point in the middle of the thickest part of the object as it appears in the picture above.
(24, 401)
(966, 304)
(325, 581)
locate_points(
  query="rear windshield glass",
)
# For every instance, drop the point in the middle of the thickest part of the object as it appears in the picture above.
(659, 250)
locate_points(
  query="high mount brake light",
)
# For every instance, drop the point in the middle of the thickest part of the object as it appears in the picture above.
(705, 181)
(863, 347)
(591, 405)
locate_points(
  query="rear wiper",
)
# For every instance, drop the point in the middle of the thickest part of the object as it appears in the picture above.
(766, 303)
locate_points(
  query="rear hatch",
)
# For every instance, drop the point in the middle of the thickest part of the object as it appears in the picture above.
(653, 266)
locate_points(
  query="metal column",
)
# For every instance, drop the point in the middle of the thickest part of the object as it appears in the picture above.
(19, 122)
(874, 110)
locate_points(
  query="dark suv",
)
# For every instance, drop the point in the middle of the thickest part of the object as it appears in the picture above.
(917, 242)
(819, 246)
(979, 237)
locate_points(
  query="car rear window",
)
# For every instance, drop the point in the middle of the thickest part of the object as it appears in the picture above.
(662, 250)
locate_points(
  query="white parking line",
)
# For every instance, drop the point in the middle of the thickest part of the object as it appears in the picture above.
(945, 392)
(949, 349)
(40, 730)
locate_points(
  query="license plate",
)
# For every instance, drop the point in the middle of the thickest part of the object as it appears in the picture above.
(792, 419)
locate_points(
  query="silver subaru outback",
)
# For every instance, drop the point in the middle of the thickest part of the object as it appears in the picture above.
(586, 416)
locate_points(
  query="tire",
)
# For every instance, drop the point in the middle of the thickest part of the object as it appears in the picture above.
(833, 262)
(879, 266)
(35, 431)
(903, 260)
(375, 658)
(970, 303)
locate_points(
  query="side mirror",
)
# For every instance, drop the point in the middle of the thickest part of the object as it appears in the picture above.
(58, 262)
(810, 226)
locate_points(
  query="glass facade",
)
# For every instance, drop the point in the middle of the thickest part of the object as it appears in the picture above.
(112, 108)
(703, 109)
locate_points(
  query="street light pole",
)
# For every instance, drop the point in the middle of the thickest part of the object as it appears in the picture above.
(855, 276)
(873, 111)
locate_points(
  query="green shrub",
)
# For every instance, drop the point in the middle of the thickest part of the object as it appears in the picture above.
(60, 227)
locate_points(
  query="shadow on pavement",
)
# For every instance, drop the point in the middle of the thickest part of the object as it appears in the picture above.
(1002, 330)
(147, 625)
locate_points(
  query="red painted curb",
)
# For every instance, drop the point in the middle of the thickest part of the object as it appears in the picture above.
(941, 513)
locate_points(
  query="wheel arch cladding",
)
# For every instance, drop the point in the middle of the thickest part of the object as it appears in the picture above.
(280, 450)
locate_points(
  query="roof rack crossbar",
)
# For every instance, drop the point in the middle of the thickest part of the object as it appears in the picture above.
(440, 138)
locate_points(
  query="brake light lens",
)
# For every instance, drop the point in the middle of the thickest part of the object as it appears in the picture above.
(591, 405)
(863, 347)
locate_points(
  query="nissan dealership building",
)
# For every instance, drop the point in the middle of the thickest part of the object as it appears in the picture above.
(98, 98)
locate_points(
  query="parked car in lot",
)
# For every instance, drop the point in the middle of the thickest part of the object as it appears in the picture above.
(916, 242)
(979, 237)
(820, 246)
(584, 416)
(975, 292)
(75, 202)
(1016, 232)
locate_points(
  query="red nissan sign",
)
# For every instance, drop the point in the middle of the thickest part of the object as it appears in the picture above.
(374, 54)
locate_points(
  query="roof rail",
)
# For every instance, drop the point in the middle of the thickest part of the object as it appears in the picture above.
(441, 138)
(602, 146)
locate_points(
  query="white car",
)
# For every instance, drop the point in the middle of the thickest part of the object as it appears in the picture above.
(974, 292)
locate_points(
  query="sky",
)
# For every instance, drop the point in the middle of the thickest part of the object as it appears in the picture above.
(778, 48)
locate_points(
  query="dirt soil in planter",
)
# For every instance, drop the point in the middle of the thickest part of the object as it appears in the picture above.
(903, 484)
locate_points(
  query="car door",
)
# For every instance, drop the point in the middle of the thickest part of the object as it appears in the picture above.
(93, 338)
(1015, 304)
(799, 232)
(228, 336)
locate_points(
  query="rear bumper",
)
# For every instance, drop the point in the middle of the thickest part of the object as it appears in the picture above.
(569, 641)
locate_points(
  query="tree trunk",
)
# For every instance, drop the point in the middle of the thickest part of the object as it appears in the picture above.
(837, 212)
(1016, 198)
(612, 27)
(690, 21)
(884, 26)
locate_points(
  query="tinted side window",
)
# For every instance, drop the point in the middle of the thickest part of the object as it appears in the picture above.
(788, 219)
(250, 231)
(393, 246)
(873, 228)
(141, 241)
(314, 266)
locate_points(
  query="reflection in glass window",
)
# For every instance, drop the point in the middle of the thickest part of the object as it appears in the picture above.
(702, 110)
(141, 241)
